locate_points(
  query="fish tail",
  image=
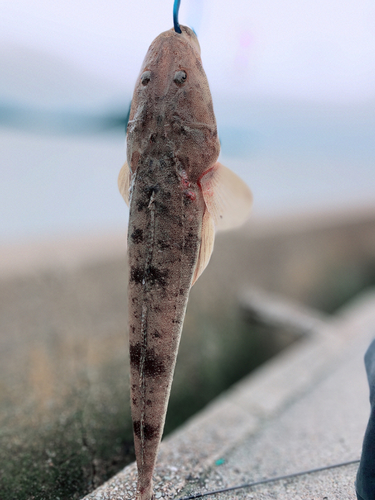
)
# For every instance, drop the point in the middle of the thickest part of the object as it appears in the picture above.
(145, 490)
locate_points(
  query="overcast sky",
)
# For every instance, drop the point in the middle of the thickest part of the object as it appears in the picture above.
(310, 49)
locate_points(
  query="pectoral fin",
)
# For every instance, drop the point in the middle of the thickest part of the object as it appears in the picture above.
(207, 245)
(227, 197)
(124, 182)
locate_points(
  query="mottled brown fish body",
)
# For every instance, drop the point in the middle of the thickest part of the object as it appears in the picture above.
(163, 248)
(172, 140)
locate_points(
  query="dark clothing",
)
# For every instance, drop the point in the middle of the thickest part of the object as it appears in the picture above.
(365, 483)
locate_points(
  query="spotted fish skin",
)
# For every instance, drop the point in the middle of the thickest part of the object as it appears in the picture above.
(161, 271)
(172, 139)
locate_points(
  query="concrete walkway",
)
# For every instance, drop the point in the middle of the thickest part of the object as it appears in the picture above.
(306, 408)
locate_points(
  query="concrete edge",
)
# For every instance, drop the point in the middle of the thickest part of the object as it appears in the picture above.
(187, 454)
(275, 311)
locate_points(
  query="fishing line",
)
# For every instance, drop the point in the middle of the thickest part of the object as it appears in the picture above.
(270, 480)
(176, 7)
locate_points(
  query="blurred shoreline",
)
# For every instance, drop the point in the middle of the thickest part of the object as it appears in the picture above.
(68, 252)
(72, 250)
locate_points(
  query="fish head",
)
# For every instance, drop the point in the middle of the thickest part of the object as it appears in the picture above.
(172, 110)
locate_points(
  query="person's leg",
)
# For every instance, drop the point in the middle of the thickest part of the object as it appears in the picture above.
(365, 482)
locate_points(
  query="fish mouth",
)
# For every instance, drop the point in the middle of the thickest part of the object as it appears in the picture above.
(186, 34)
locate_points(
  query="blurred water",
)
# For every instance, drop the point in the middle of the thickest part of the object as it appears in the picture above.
(53, 185)
(302, 156)
(294, 157)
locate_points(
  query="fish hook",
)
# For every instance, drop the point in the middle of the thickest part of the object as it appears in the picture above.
(176, 7)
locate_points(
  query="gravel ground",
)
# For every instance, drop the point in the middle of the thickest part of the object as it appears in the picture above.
(324, 427)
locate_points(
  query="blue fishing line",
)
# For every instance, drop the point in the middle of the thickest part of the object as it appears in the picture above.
(176, 7)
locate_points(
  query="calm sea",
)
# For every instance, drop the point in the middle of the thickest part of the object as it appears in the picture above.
(295, 157)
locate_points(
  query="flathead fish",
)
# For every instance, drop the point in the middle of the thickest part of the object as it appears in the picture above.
(178, 195)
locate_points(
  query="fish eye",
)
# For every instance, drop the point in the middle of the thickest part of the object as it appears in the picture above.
(145, 78)
(180, 77)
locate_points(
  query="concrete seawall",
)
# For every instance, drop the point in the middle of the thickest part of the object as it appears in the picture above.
(64, 406)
